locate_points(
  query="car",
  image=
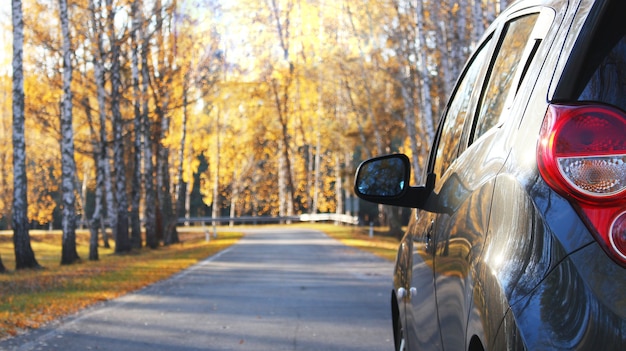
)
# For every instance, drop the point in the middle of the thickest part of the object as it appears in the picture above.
(517, 240)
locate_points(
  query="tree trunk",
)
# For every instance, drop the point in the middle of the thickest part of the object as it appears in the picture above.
(69, 254)
(136, 181)
(317, 171)
(2, 268)
(408, 96)
(96, 218)
(424, 78)
(122, 240)
(285, 169)
(394, 219)
(170, 235)
(282, 190)
(103, 171)
(234, 198)
(164, 81)
(24, 255)
(150, 192)
(181, 198)
(338, 186)
(371, 115)
(95, 222)
(351, 201)
(215, 211)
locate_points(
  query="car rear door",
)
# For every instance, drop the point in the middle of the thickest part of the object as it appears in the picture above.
(422, 326)
(465, 189)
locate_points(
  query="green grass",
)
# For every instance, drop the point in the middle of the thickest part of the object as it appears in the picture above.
(31, 298)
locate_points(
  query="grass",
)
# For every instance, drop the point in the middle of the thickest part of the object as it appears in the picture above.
(31, 298)
(380, 244)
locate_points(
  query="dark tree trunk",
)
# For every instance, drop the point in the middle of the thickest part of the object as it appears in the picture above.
(24, 255)
(122, 239)
(150, 210)
(103, 171)
(394, 219)
(95, 222)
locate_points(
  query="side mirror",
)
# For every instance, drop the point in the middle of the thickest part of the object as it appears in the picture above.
(385, 180)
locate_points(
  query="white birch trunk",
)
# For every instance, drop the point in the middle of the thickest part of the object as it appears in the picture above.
(425, 102)
(69, 254)
(137, 182)
(24, 255)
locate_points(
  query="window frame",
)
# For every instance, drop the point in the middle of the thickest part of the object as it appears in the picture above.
(538, 35)
(492, 42)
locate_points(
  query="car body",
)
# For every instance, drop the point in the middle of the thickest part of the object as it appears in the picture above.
(518, 237)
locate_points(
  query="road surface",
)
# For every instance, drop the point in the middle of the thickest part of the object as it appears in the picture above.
(277, 289)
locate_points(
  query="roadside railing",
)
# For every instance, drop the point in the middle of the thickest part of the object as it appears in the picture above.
(315, 217)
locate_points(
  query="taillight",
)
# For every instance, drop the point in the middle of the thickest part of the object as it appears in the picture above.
(582, 156)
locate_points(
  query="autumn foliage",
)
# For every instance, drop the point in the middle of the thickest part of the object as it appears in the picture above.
(213, 108)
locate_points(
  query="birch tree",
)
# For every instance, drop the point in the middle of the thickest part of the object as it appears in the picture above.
(135, 37)
(122, 240)
(280, 92)
(68, 164)
(162, 94)
(150, 210)
(24, 255)
(104, 191)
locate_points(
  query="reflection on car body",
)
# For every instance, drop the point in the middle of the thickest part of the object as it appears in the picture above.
(518, 240)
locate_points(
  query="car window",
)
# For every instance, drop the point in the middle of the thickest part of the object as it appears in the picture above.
(457, 112)
(608, 82)
(513, 42)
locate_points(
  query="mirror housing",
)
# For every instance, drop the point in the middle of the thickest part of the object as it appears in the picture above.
(385, 180)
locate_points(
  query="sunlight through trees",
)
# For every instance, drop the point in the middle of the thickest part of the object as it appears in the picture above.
(139, 112)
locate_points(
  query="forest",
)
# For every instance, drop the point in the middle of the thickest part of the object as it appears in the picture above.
(132, 114)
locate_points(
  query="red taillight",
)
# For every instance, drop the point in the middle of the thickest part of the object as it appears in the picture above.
(582, 156)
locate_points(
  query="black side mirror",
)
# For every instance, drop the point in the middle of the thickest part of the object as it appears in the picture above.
(384, 177)
(385, 180)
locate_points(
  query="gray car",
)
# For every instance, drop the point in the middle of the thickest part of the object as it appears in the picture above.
(518, 237)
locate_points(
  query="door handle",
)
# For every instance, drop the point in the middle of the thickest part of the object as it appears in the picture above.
(402, 292)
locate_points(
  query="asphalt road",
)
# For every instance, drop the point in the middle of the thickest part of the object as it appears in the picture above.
(275, 290)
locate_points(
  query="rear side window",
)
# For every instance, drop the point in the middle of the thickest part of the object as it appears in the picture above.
(608, 82)
(599, 59)
(458, 110)
(513, 43)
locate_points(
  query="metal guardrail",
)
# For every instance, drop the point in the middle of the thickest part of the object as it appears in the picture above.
(315, 217)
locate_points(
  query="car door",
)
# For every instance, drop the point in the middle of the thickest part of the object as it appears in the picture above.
(422, 327)
(465, 189)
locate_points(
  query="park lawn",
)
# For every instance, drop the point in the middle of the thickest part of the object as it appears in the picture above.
(379, 243)
(31, 298)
